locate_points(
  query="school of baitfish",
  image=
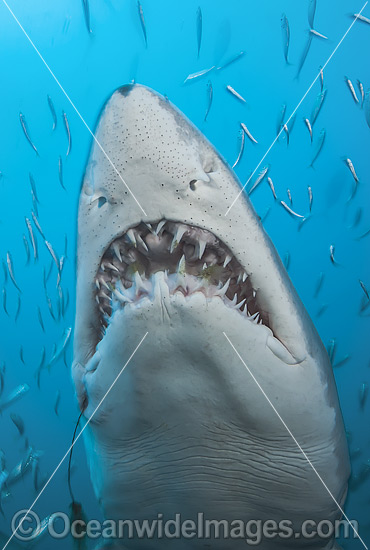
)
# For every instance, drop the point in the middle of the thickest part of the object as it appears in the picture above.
(34, 237)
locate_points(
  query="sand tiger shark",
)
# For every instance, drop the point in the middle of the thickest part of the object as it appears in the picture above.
(185, 429)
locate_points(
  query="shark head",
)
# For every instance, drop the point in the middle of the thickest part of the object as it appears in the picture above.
(157, 256)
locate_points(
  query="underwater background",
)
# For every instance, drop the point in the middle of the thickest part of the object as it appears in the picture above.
(36, 319)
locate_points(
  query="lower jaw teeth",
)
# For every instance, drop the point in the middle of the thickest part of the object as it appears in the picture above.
(188, 285)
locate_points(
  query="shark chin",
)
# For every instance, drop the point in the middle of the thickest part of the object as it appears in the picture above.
(185, 429)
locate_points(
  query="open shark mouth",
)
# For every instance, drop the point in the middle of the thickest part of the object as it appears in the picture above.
(193, 260)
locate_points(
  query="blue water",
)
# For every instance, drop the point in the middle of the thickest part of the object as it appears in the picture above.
(90, 67)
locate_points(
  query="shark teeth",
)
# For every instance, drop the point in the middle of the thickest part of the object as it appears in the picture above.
(191, 259)
(117, 251)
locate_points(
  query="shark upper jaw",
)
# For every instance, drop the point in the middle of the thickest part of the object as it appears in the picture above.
(179, 178)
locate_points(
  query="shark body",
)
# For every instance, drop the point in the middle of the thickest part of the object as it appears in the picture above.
(186, 429)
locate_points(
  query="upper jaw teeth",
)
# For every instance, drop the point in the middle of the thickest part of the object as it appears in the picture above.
(192, 260)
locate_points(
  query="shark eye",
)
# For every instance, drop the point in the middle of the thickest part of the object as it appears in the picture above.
(192, 184)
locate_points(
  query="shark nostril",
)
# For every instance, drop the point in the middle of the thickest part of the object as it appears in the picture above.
(101, 201)
(192, 184)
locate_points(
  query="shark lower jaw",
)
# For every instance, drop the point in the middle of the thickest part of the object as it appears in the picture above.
(191, 260)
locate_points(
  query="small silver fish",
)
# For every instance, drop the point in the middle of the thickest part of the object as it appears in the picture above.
(26, 133)
(318, 106)
(320, 145)
(241, 150)
(21, 355)
(39, 316)
(290, 211)
(46, 276)
(33, 186)
(309, 127)
(66, 245)
(352, 89)
(364, 392)
(319, 284)
(5, 271)
(37, 225)
(53, 113)
(56, 404)
(50, 306)
(34, 204)
(52, 253)
(366, 234)
(9, 261)
(18, 310)
(332, 252)
(27, 249)
(289, 196)
(18, 423)
(4, 476)
(60, 172)
(304, 54)
(286, 36)
(357, 217)
(210, 99)
(248, 132)
(62, 345)
(16, 394)
(60, 271)
(5, 308)
(235, 93)
(231, 61)
(32, 238)
(311, 12)
(365, 305)
(68, 132)
(362, 18)
(260, 177)
(341, 362)
(265, 215)
(40, 366)
(199, 29)
(287, 261)
(66, 302)
(351, 167)
(349, 163)
(286, 130)
(318, 34)
(364, 289)
(85, 4)
(142, 22)
(280, 122)
(362, 92)
(42, 528)
(331, 349)
(322, 78)
(271, 184)
(310, 197)
(198, 74)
